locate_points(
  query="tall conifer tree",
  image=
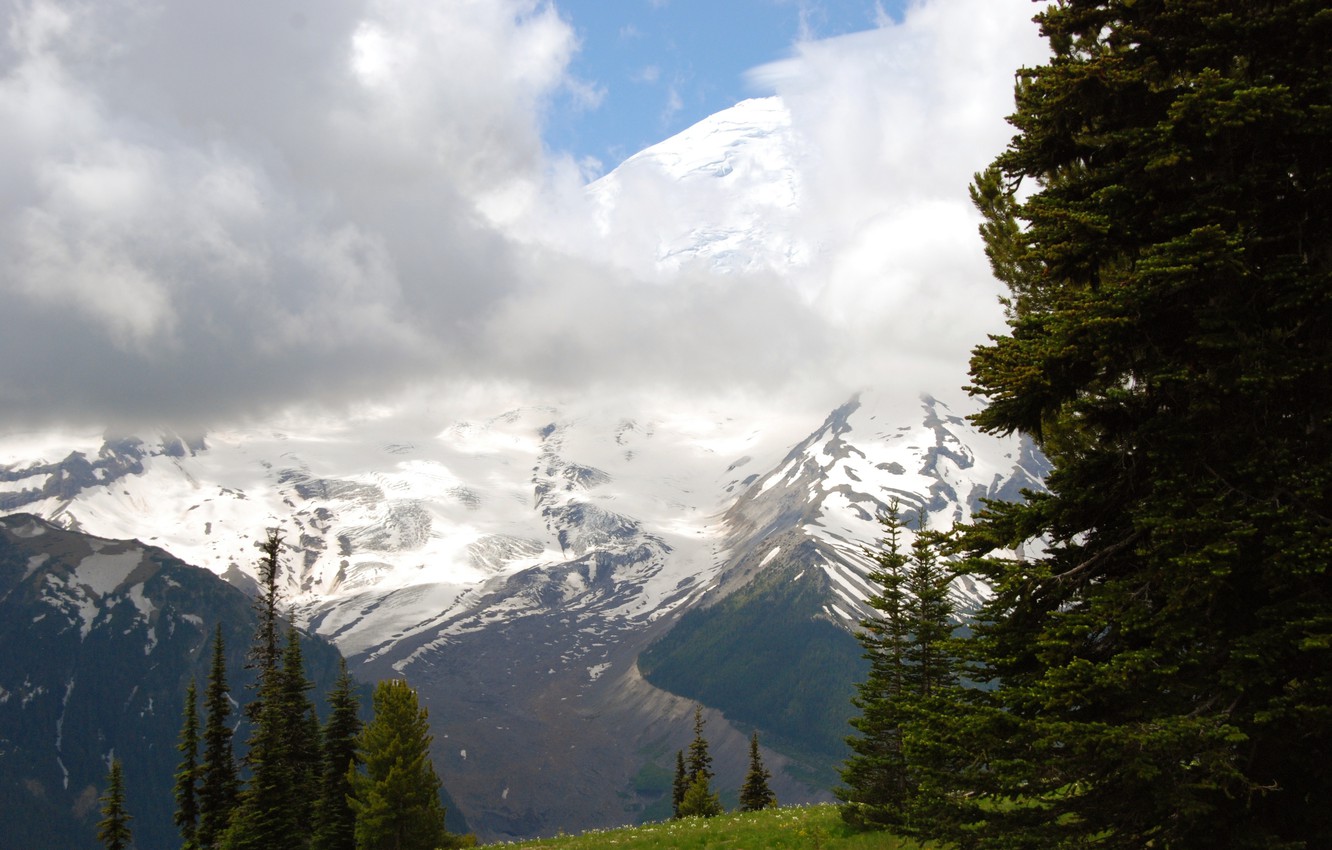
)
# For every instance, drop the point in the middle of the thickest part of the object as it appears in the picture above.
(276, 807)
(680, 784)
(930, 668)
(267, 813)
(266, 652)
(396, 799)
(1161, 669)
(699, 798)
(874, 777)
(187, 773)
(755, 794)
(335, 822)
(113, 830)
(700, 760)
(913, 671)
(300, 727)
(217, 772)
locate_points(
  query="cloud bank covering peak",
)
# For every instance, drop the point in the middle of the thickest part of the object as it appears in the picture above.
(216, 212)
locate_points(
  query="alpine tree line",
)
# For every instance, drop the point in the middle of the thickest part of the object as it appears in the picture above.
(691, 790)
(306, 786)
(1159, 672)
(338, 786)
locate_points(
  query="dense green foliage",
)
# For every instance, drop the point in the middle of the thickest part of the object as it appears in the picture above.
(113, 830)
(218, 782)
(187, 773)
(875, 781)
(335, 822)
(679, 785)
(929, 668)
(768, 656)
(288, 799)
(1162, 671)
(303, 788)
(698, 764)
(912, 674)
(276, 807)
(302, 733)
(120, 687)
(396, 799)
(700, 801)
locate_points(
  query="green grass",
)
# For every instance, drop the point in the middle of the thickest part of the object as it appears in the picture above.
(794, 828)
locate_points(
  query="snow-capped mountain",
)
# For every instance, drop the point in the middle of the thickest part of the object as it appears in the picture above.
(827, 494)
(515, 565)
(514, 568)
(728, 189)
(372, 521)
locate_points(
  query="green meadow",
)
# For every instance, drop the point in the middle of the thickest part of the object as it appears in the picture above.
(792, 828)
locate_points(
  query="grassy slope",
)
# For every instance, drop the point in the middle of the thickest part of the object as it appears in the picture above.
(794, 828)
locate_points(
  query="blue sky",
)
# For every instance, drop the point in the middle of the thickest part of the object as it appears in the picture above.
(658, 66)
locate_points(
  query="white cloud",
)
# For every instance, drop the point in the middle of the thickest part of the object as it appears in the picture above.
(867, 268)
(897, 120)
(210, 211)
(207, 209)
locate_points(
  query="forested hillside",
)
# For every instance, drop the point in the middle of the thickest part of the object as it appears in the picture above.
(1160, 675)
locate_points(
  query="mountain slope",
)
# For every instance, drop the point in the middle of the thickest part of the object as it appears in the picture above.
(778, 652)
(98, 640)
(515, 567)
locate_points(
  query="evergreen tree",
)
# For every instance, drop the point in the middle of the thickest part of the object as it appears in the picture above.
(699, 799)
(300, 728)
(874, 777)
(929, 668)
(755, 795)
(265, 654)
(217, 773)
(276, 808)
(1161, 671)
(913, 674)
(396, 800)
(335, 822)
(113, 830)
(931, 684)
(680, 785)
(700, 760)
(266, 815)
(187, 774)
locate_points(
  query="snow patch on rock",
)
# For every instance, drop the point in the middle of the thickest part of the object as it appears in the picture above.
(103, 573)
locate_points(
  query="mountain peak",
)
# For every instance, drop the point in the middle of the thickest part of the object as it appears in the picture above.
(715, 146)
(727, 187)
